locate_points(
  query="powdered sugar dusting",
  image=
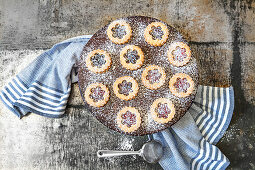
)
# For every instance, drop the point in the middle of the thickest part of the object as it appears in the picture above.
(125, 144)
(145, 97)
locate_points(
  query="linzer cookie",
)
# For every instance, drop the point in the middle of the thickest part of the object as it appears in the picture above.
(131, 57)
(181, 85)
(162, 110)
(97, 94)
(137, 75)
(179, 53)
(98, 61)
(156, 33)
(153, 77)
(119, 32)
(128, 119)
(125, 88)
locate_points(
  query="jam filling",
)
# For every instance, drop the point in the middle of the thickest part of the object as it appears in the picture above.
(97, 94)
(179, 54)
(118, 31)
(156, 33)
(125, 87)
(163, 110)
(128, 118)
(181, 85)
(131, 56)
(153, 76)
(98, 60)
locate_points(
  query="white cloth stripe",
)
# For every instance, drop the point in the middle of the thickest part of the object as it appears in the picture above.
(220, 156)
(201, 151)
(208, 126)
(212, 158)
(35, 102)
(45, 100)
(16, 87)
(206, 113)
(48, 89)
(215, 162)
(6, 101)
(204, 103)
(20, 84)
(215, 125)
(215, 129)
(219, 114)
(47, 95)
(12, 91)
(8, 95)
(224, 118)
(45, 106)
(222, 163)
(207, 151)
(40, 110)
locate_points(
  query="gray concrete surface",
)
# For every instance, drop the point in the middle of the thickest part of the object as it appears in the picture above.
(222, 38)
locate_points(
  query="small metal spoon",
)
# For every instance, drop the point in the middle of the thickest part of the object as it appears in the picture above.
(151, 152)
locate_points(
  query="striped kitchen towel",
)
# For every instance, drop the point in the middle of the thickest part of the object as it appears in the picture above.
(190, 143)
(44, 87)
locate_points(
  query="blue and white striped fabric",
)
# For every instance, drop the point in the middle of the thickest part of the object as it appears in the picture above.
(190, 143)
(44, 87)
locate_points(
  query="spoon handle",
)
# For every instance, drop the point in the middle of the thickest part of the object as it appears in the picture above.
(110, 153)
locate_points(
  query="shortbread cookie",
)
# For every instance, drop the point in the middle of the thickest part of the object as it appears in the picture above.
(156, 33)
(98, 61)
(119, 32)
(128, 119)
(125, 88)
(153, 77)
(179, 54)
(162, 110)
(181, 85)
(97, 94)
(131, 57)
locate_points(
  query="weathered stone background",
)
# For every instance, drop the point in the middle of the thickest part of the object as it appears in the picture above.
(222, 37)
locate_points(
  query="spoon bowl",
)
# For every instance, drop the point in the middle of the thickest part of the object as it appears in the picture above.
(152, 151)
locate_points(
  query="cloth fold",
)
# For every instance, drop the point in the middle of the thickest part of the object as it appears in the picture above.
(190, 143)
(43, 87)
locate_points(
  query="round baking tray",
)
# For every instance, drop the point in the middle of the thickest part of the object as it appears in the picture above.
(145, 97)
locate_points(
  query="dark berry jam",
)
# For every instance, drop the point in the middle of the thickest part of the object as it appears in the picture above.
(179, 54)
(156, 33)
(128, 119)
(131, 56)
(181, 85)
(98, 60)
(118, 31)
(97, 94)
(163, 110)
(125, 87)
(153, 76)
